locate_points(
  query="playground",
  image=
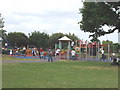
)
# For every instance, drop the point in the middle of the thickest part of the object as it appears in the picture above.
(83, 50)
(31, 69)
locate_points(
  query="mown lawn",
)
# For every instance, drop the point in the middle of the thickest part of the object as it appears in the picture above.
(62, 74)
(7, 57)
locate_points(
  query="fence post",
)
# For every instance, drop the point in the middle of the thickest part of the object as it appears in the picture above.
(80, 49)
(98, 50)
(86, 50)
(108, 51)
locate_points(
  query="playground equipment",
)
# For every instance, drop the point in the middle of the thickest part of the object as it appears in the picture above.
(65, 39)
(28, 52)
(85, 50)
(92, 50)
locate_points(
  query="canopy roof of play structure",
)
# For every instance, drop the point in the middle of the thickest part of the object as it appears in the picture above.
(65, 38)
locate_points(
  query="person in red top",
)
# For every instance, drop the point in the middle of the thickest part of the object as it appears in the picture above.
(40, 51)
(44, 54)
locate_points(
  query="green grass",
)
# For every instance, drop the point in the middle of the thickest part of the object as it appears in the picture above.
(63, 74)
(7, 57)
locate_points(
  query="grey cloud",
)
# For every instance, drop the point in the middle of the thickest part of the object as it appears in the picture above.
(50, 16)
(51, 13)
(53, 17)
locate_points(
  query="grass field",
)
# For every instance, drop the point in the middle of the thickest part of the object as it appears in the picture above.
(62, 74)
(9, 58)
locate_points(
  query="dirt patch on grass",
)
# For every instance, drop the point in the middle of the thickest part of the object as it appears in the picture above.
(96, 67)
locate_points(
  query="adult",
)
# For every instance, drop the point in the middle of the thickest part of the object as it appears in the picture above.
(44, 54)
(50, 56)
(114, 60)
(103, 56)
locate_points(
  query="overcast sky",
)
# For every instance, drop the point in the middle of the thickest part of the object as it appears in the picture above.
(50, 16)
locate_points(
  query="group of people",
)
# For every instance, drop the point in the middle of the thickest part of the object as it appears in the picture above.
(35, 52)
(114, 60)
(15, 51)
(72, 53)
(49, 54)
(42, 54)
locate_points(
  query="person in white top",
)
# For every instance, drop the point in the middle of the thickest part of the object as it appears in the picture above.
(11, 52)
(57, 52)
(103, 56)
(73, 53)
(24, 51)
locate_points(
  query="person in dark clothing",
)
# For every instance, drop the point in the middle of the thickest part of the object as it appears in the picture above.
(114, 60)
(33, 52)
(50, 56)
(103, 56)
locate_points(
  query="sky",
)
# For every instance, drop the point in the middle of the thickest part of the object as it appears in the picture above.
(49, 16)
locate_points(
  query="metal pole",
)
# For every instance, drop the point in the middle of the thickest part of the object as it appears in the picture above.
(98, 51)
(86, 49)
(68, 50)
(80, 49)
(60, 47)
(108, 51)
(92, 50)
(89, 49)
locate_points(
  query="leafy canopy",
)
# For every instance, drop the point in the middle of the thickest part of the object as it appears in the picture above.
(97, 15)
(40, 40)
(17, 39)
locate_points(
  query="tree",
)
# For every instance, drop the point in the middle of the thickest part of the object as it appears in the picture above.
(95, 39)
(73, 37)
(38, 39)
(1, 22)
(97, 15)
(17, 39)
(2, 32)
(116, 47)
(106, 45)
(3, 35)
(54, 39)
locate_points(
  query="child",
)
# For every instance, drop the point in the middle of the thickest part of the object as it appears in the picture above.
(11, 52)
(73, 53)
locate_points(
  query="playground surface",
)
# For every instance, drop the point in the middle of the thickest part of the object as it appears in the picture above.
(43, 60)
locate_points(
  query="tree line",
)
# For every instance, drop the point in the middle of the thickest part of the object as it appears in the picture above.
(36, 38)
(43, 40)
